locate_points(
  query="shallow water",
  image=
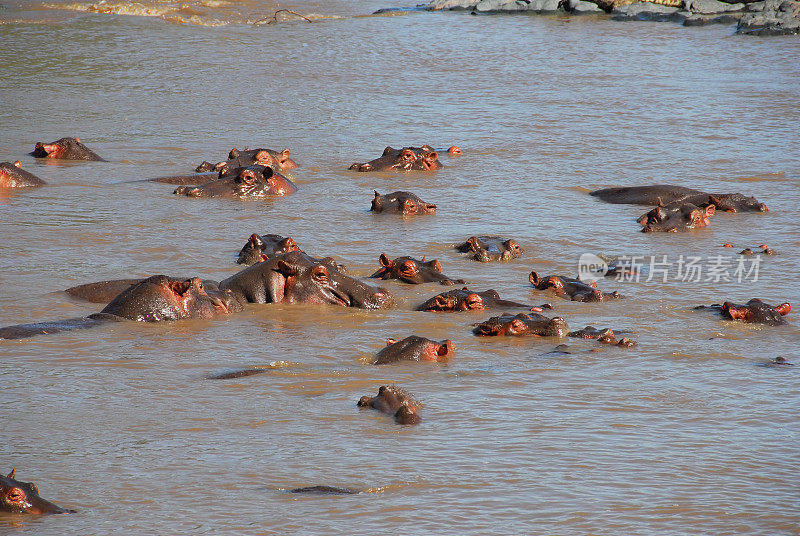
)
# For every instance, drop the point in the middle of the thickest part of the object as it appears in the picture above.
(683, 434)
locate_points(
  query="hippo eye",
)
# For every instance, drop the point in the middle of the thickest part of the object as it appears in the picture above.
(517, 326)
(474, 302)
(15, 495)
(409, 268)
(408, 156)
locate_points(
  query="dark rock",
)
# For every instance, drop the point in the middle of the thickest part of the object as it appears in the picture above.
(779, 17)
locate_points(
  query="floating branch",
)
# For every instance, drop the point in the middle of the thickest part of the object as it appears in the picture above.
(274, 17)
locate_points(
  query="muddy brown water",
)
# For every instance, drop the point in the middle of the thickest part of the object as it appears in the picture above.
(683, 434)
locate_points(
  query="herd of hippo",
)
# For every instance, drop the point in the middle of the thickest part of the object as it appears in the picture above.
(279, 271)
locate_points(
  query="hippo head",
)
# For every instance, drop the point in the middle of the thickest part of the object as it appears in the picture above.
(422, 158)
(456, 300)
(64, 149)
(522, 324)
(575, 289)
(23, 498)
(160, 298)
(298, 278)
(737, 203)
(676, 217)
(404, 202)
(415, 348)
(412, 271)
(756, 311)
(260, 248)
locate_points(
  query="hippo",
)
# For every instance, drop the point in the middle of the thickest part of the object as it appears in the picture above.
(676, 216)
(278, 161)
(393, 401)
(18, 497)
(467, 300)
(402, 202)
(155, 299)
(422, 158)
(295, 277)
(187, 180)
(252, 182)
(65, 149)
(571, 288)
(522, 324)
(764, 250)
(261, 247)
(605, 336)
(778, 362)
(414, 271)
(756, 311)
(491, 248)
(667, 194)
(105, 291)
(415, 348)
(13, 176)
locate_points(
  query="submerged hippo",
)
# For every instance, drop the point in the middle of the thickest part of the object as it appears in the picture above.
(155, 299)
(467, 300)
(18, 497)
(570, 288)
(522, 324)
(605, 336)
(754, 311)
(666, 194)
(395, 402)
(675, 217)
(422, 158)
(414, 271)
(65, 149)
(279, 161)
(296, 277)
(261, 247)
(491, 248)
(252, 182)
(402, 202)
(13, 176)
(415, 348)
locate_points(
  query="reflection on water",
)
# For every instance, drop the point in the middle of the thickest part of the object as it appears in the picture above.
(682, 434)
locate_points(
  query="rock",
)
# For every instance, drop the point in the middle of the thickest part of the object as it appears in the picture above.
(756, 6)
(539, 6)
(705, 20)
(581, 7)
(779, 17)
(436, 5)
(648, 11)
(708, 7)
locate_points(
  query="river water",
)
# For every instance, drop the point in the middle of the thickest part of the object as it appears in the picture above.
(684, 434)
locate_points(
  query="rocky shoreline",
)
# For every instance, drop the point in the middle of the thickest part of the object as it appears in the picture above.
(763, 17)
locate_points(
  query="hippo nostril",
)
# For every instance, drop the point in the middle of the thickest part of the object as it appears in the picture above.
(194, 192)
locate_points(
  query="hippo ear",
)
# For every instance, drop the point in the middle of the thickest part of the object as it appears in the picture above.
(18, 164)
(285, 154)
(11, 474)
(387, 151)
(534, 278)
(660, 203)
(784, 308)
(286, 269)
(711, 209)
(390, 342)
(436, 265)
(445, 348)
(384, 260)
(234, 153)
(377, 195)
